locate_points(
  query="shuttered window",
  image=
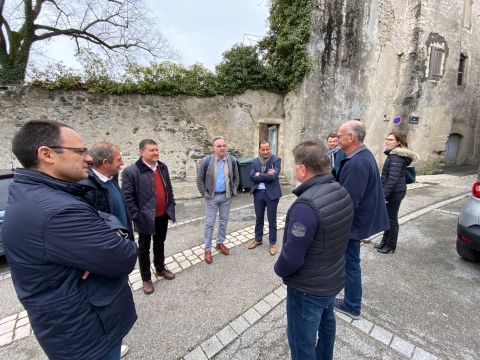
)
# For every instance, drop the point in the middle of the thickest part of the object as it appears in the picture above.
(435, 64)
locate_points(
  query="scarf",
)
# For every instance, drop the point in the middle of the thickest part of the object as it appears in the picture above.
(331, 154)
(264, 163)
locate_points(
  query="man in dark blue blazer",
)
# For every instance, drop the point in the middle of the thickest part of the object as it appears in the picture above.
(335, 153)
(359, 175)
(266, 193)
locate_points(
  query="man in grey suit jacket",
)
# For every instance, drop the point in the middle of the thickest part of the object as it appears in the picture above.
(217, 181)
(266, 194)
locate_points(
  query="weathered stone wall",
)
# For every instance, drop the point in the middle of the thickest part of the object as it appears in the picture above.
(371, 63)
(182, 126)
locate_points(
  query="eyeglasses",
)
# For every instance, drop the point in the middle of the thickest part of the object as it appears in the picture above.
(80, 151)
(339, 135)
(220, 146)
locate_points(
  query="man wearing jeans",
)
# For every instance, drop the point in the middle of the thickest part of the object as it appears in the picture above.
(359, 175)
(217, 181)
(312, 260)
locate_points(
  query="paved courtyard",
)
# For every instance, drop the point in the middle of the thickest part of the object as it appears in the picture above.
(419, 303)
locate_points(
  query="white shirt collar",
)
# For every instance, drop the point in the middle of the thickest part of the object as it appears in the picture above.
(101, 176)
(153, 168)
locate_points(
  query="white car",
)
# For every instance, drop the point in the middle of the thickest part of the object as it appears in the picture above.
(468, 227)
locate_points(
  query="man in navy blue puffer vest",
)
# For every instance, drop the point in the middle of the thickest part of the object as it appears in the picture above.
(312, 260)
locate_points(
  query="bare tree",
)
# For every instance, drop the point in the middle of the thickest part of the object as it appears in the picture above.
(116, 27)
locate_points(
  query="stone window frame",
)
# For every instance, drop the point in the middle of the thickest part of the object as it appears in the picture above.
(462, 69)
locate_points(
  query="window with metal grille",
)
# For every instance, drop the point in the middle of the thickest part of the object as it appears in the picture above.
(435, 64)
(461, 70)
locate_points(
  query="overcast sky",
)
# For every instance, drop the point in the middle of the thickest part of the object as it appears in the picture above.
(200, 30)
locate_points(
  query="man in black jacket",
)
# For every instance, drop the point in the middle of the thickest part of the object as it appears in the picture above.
(149, 194)
(312, 260)
(69, 263)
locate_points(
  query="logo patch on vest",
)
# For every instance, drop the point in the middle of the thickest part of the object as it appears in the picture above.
(298, 230)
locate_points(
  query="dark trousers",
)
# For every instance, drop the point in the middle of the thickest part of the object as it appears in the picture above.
(393, 205)
(260, 201)
(161, 226)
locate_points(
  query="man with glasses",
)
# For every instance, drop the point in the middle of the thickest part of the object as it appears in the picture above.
(359, 175)
(69, 263)
(217, 181)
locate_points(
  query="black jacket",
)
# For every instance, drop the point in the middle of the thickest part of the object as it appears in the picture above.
(139, 190)
(98, 197)
(393, 172)
(323, 273)
(51, 236)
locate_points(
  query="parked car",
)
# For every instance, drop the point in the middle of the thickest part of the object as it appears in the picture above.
(6, 177)
(468, 227)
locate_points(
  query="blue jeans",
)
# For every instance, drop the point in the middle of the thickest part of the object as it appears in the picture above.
(353, 277)
(260, 201)
(114, 353)
(310, 326)
(220, 203)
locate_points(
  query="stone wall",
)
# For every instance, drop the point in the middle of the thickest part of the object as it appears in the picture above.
(182, 126)
(372, 58)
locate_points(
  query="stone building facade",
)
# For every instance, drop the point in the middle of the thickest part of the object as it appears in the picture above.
(410, 65)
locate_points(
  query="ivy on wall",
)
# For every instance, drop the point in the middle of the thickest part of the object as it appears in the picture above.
(285, 47)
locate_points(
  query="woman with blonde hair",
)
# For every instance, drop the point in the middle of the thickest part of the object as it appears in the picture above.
(394, 185)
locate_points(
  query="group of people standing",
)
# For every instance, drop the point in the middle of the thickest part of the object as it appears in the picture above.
(70, 266)
(341, 200)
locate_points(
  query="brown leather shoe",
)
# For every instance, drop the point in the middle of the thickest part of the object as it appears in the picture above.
(166, 274)
(254, 243)
(148, 287)
(208, 257)
(222, 248)
(273, 249)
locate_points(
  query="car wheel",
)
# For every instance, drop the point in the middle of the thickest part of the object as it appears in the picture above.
(467, 254)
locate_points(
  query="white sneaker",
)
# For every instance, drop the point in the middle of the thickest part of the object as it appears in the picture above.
(123, 350)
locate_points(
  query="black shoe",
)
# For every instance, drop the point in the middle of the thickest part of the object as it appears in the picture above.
(340, 306)
(386, 250)
(379, 245)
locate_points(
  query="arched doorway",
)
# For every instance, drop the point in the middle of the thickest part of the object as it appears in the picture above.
(451, 149)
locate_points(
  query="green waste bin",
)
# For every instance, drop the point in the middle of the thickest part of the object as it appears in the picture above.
(244, 168)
